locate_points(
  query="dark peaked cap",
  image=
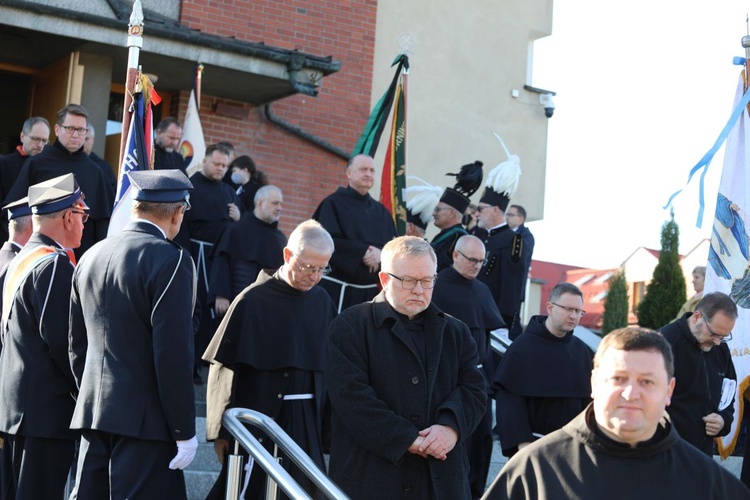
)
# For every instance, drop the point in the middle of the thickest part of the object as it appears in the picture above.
(160, 186)
(18, 208)
(54, 195)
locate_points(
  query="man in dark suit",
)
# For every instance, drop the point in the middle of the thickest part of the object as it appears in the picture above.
(36, 382)
(131, 349)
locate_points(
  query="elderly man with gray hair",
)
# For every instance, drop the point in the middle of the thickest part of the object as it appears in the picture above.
(267, 355)
(404, 386)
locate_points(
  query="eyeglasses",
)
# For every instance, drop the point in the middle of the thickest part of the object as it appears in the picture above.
(74, 130)
(411, 283)
(438, 209)
(570, 310)
(313, 270)
(511, 215)
(482, 207)
(38, 139)
(84, 215)
(722, 338)
(471, 259)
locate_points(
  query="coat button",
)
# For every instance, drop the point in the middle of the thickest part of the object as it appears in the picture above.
(415, 380)
(407, 487)
(415, 417)
(280, 396)
(286, 374)
(177, 431)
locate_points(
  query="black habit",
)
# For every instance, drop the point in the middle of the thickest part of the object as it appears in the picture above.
(355, 222)
(543, 381)
(164, 160)
(10, 166)
(247, 247)
(273, 337)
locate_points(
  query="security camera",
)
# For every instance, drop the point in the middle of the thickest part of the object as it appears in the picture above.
(548, 103)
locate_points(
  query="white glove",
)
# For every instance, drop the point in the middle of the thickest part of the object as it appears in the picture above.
(185, 453)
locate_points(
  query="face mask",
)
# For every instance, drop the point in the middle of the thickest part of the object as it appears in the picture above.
(238, 178)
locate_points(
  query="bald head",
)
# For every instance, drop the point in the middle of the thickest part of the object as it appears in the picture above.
(468, 256)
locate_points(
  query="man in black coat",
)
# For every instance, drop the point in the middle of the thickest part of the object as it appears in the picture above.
(131, 350)
(460, 294)
(271, 344)
(106, 168)
(34, 136)
(36, 383)
(252, 244)
(404, 386)
(702, 406)
(66, 156)
(360, 226)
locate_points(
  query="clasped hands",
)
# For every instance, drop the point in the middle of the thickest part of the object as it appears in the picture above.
(372, 259)
(435, 441)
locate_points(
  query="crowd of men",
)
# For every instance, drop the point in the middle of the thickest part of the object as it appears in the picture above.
(369, 346)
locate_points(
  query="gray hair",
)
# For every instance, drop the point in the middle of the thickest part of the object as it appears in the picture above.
(310, 235)
(30, 122)
(404, 245)
(264, 192)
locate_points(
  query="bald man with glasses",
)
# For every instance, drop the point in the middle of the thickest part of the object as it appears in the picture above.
(702, 406)
(543, 380)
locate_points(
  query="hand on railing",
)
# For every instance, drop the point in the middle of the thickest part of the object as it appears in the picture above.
(185, 453)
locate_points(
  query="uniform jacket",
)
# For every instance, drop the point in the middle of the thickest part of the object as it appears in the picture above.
(131, 336)
(508, 261)
(382, 396)
(36, 384)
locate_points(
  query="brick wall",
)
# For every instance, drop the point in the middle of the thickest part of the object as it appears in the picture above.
(344, 29)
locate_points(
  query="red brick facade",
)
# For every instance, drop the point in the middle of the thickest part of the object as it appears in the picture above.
(344, 29)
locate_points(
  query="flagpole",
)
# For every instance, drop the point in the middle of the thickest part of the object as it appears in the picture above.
(198, 81)
(134, 43)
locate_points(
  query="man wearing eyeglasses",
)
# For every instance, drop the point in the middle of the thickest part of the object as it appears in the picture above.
(702, 406)
(543, 380)
(404, 386)
(67, 156)
(460, 294)
(34, 136)
(267, 355)
(36, 381)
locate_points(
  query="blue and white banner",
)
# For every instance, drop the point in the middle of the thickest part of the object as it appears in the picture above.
(727, 270)
(134, 158)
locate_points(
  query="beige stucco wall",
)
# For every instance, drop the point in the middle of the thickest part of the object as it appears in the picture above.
(466, 59)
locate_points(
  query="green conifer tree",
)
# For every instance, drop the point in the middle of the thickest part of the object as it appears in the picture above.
(616, 303)
(665, 293)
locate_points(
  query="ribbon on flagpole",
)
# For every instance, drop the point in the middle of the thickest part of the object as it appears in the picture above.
(706, 160)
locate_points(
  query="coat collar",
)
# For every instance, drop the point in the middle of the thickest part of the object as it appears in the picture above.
(434, 325)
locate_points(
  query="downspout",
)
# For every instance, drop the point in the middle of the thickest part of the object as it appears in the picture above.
(298, 131)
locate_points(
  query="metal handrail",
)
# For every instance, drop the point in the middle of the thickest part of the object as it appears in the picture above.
(233, 419)
(498, 342)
